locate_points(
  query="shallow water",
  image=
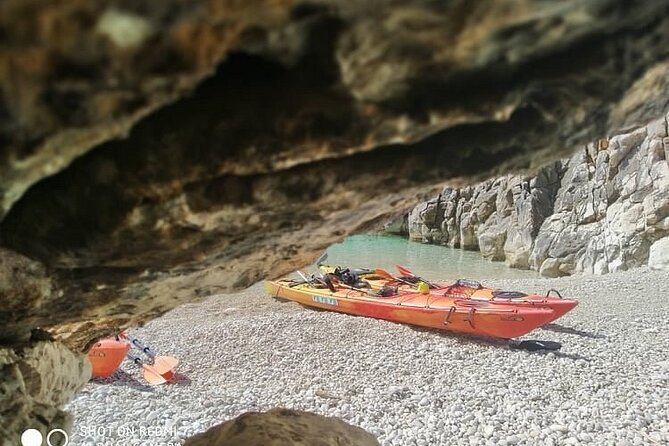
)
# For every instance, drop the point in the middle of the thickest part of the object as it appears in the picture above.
(428, 261)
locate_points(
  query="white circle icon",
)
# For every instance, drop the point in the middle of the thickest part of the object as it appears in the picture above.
(60, 431)
(31, 437)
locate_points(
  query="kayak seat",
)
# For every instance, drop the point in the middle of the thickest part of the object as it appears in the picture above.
(468, 283)
(499, 294)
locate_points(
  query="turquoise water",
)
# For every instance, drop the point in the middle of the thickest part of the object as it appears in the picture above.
(429, 261)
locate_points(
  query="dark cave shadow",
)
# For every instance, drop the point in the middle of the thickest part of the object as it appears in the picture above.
(557, 328)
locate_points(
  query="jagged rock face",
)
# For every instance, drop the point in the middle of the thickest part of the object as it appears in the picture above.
(283, 427)
(612, 206)
(154, 152)
(37, 380)
(500, 216)
(598, 212)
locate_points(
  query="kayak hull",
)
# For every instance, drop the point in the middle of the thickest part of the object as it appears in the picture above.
(425, 310)
(106, 356)
(559, 305)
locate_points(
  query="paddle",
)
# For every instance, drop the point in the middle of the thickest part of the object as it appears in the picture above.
(351, 287)
(385, 274)
(151, 375)
(162, 364)
(304, 277)
(321, 259)
(407, 272)
(297, 282)
(316, 279)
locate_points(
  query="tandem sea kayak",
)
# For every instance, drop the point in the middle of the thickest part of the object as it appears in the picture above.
(459, 289)
(421, 309)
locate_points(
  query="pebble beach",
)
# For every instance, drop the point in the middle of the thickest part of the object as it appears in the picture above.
(607, 385)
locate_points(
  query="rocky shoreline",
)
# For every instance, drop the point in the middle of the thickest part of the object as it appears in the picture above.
(248, 352)
(605, 209)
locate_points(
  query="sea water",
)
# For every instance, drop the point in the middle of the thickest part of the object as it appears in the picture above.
(428, 261)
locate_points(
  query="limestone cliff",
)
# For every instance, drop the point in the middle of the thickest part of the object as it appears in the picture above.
(599, 211)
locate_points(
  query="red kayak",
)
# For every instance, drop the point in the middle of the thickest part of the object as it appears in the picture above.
(461, 289)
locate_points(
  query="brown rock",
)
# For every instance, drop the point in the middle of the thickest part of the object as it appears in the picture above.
(37, 380)
(283, 427)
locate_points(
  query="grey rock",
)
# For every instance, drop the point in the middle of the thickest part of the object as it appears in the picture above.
(610, 208)
(598, 212)
(550, 268)
(398, 226)
(659, 254)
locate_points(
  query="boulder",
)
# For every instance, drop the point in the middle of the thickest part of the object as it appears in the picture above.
(550, 268)
(37, 380)
(659, 254)
(283, 427)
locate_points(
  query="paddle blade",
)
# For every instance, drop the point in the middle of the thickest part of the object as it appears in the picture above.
(164, 364)
(321, 259)
(383, 273)
(152, 376)
(404, 271)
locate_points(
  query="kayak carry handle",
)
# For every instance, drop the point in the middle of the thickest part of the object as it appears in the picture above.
(548, 294)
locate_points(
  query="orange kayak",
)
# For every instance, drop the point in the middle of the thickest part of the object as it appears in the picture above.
(106, 356)
(473, 290)
(426, 310)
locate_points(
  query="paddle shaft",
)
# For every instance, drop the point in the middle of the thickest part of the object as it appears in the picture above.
(363, 290)
(387, 275)
(144, 348)
(407, 271)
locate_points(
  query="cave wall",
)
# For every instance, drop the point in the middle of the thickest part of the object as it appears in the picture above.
(280, 128)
